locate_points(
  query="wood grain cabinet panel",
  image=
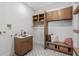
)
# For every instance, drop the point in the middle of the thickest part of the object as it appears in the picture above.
(62, 14)
(66, 13)
(53, 15)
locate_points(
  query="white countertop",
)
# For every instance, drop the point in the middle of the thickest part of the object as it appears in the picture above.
(22, 36)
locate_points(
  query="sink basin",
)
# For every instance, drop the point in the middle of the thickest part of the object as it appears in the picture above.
(23, 36)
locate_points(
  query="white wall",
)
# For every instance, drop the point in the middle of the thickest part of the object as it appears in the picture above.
(19, 16)
(62, 29)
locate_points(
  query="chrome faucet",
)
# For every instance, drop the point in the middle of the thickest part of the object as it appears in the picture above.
(23, 33)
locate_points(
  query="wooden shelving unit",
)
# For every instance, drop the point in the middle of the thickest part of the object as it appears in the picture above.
(57, 15)
(38, 19)
(41, 17)
(35, 18)
(54, 16)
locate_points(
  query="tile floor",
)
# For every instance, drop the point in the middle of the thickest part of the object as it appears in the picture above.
(38, 50)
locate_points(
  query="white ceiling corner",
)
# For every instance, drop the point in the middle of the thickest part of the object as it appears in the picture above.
(47, 5)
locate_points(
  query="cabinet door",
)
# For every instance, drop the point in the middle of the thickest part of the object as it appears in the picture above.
(66, 13)
(26, 45)
(62, 14)
(17, 46)
(29, 44)
(23, 46)
(53, 15)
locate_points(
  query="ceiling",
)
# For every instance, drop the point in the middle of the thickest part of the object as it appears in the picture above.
(47, 5)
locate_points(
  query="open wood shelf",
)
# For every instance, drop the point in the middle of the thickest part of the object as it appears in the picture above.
(41, 16)
(35, 18)
(38, 18)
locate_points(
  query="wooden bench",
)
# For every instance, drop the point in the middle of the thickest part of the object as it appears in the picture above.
(61, 47)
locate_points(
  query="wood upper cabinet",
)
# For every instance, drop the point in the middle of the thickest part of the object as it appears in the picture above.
(53, 15)
(62, 14)
(66, 13)
(35, 18)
